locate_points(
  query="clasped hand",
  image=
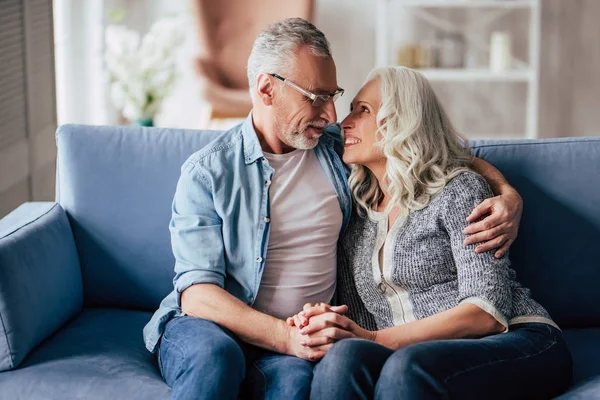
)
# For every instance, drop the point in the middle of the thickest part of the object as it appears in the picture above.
(318, 326)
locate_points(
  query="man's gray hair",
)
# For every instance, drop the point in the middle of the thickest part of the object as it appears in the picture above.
(275, 48)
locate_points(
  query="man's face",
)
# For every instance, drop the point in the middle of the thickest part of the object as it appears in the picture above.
(299, 124)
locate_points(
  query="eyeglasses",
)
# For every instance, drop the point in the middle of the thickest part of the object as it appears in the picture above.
(317, 99)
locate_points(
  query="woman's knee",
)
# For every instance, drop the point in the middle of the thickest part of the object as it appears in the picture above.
(346, 357)
(407, 363)
(346, 352)
(349, 370)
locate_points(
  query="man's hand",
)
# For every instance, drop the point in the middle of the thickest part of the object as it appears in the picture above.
(499, 229)
(298, 348)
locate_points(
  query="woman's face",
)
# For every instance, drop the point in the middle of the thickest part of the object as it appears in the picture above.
(360, 127)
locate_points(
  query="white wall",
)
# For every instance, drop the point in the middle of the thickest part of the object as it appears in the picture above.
(350, 27)
(80, 83)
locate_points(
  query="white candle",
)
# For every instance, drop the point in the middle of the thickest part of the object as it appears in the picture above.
(500, 51)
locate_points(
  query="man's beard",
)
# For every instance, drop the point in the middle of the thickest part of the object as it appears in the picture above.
(297, 138)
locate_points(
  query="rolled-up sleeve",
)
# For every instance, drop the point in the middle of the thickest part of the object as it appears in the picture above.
(483, 280)
(196, 232)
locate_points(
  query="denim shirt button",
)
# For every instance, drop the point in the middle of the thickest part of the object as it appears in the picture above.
(259, 259)
(268, 182)
(267, 219)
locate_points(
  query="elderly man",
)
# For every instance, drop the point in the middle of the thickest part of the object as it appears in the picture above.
(256, 219)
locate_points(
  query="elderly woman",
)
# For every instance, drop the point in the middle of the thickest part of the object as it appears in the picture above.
(428, 317)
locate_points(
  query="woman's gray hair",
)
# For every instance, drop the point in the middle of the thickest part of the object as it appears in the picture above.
(423, 151)
(275, 48)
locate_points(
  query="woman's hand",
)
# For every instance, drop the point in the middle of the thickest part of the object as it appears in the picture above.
(322, 324)
(500, 228)
(330, 327)
(300, 320)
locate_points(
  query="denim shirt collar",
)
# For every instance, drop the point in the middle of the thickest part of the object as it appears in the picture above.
(252, 149)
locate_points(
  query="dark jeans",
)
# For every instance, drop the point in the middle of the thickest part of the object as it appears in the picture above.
(201, 360)
(531, 361)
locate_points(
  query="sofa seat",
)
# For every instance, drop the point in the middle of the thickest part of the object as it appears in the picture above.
(100, 354)
(585, 349)
(588, 389)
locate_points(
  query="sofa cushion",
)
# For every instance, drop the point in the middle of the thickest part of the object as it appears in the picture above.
(40, 278)
(585, 349)
(584, 390)
(98, 355)
(117, 186)
(555, 254)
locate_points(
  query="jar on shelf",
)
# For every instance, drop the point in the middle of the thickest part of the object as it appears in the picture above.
(407, 55)
(425, 55)
(451, 50)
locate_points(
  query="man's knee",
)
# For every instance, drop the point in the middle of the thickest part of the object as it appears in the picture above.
(219, 352)
(201, 349)
(286, 377)
(294, 371)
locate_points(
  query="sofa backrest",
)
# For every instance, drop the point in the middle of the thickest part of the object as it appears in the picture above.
(116, 185)
(556, 252)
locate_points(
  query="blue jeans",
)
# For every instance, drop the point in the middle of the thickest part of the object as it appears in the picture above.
(531, 361)
(199, 359)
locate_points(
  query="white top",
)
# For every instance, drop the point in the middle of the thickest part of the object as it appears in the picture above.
(382, 266)
(305, 219)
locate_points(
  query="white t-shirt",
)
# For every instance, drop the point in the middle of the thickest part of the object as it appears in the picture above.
(305, 219)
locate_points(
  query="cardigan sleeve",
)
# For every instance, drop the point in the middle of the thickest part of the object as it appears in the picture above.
(483, 280)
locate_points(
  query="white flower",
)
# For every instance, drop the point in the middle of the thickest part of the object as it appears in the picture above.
(121, 41)
(142, 72)
(118, 95)
(131, 112)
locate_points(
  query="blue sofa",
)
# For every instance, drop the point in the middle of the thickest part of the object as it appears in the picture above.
(80, 278)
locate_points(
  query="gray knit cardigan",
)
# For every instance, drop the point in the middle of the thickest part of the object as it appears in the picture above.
(426, 267)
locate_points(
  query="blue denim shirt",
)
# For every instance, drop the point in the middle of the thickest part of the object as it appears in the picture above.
(220, 221)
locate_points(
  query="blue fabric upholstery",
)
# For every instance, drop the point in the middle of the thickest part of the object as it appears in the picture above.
(99, 355)
(556, 254)
(40, 278)
(585, 390)
(117, 185)
(585, 348)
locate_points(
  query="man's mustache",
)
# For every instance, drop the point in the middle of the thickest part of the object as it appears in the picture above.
(320, 124)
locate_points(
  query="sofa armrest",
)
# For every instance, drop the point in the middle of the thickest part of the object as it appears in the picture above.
(40, 278)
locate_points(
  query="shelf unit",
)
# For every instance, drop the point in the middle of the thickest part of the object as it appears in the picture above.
(469, 3)
(477, 74)
(524, 72)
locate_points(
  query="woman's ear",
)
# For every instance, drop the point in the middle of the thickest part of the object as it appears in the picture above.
(265, 89)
